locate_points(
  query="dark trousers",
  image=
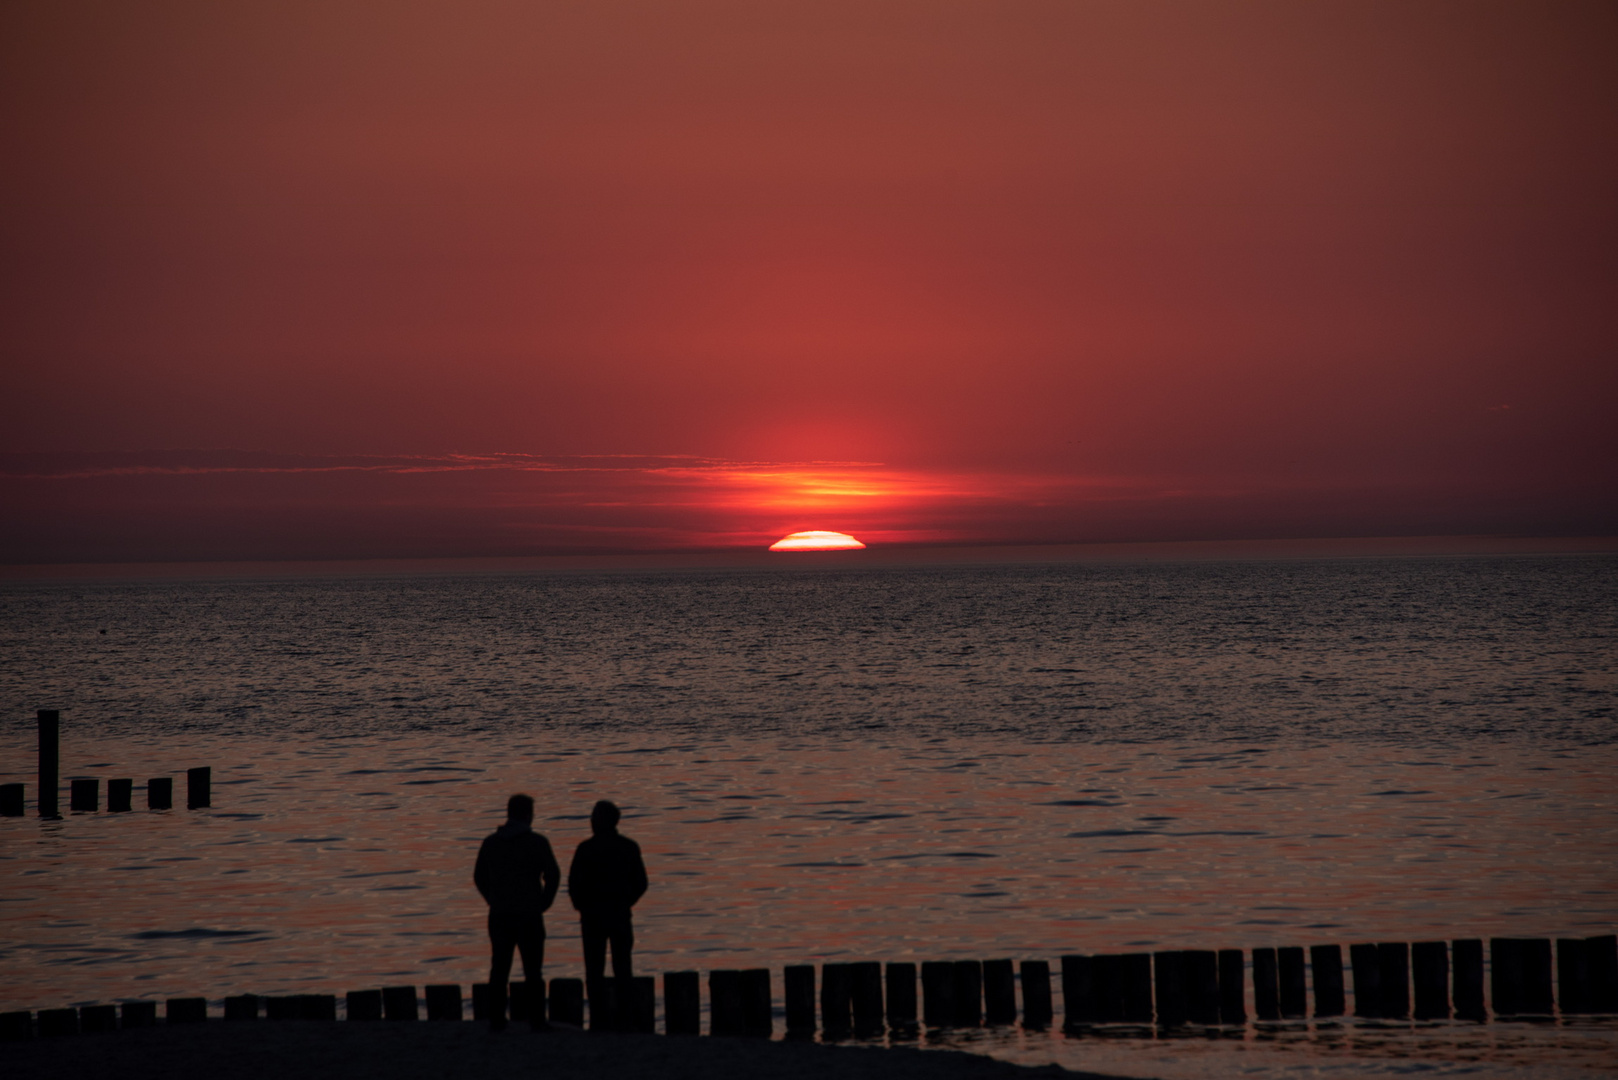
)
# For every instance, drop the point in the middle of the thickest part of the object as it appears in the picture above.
(597, 933)
(507, 933)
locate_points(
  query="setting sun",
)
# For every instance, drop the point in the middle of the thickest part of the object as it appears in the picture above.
(816, 540)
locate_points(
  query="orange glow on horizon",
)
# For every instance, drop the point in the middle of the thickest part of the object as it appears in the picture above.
(817, 540)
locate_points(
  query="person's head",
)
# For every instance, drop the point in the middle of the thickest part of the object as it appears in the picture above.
(604, 818)
(520, 808)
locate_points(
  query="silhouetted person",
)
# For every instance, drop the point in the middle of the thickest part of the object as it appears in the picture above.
(518, 876)
(605, 880)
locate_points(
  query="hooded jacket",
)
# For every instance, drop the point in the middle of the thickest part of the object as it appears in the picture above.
(516, 872)
(606, 878)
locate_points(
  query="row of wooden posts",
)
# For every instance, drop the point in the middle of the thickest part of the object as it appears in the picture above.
(84, 793)
(864, 1000)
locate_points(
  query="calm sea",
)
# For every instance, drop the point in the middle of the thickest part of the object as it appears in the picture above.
(833, 764)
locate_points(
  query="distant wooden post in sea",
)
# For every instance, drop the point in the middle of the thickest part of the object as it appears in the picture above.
(84, 795)
(198, 788)
(50, 739)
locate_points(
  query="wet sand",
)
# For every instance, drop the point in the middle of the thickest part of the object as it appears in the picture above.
(299, 1050)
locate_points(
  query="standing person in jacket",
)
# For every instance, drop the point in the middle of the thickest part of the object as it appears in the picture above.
(605, 880)
(518, 876)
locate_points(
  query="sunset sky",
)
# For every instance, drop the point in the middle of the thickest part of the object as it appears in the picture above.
(345, 280)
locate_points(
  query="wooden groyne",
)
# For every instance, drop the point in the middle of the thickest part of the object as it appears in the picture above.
(1391, 982)
(84, 792)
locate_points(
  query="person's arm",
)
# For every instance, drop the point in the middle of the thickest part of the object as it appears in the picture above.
(551, 874)
(575, 879)
(637, 874)
(480, 872)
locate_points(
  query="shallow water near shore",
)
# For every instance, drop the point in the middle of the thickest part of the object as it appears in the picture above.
(903, 764)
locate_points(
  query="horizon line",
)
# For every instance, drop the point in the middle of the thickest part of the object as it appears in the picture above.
(887, 556)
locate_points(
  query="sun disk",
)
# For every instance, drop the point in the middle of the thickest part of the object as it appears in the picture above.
(816, 540)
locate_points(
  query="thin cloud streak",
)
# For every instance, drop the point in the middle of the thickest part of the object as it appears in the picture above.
(177, 505)
(88, 465)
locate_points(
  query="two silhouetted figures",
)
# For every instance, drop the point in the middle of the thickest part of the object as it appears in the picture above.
(519, 877)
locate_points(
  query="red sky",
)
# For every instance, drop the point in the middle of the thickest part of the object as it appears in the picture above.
(395, 279)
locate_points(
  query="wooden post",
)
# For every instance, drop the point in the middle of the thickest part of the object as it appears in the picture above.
(1367, 981)
(139, 1014)
(1134, 979)
(119, 793)
(1326, 964)
(1466, 955)
(160, 793)
(245, 1007)
(1294, 997)
(282, 1008)
(836, 1001)
(938, 993)
(362, 1004)
(1109, 994)
(317, 1006)
(1537, 990)
(16, 1026)
(1266, 985)
(399, 1002)
(1232, 987)
(443, 1001)
(1201, 986)
(93, 1018)
(1505, 967)
(758, 1002)
(1393, 979)
(198, 787)
(1521, 969)
(84, 795)
(1429, 969)
(57, 1022)
(192, 1010)
(682, 1002)
(566, 1005)
(1572, 976)
(799, 988)
(1601, 965)
(1036, 995)
(968, 993)
(901, 998)
(50, 758)
(1169, 973)
(11, 800)
(1079, 1008)
(999, 992)
(724, 1003)
(865, 998)
(637, 1003)
(482, 1003)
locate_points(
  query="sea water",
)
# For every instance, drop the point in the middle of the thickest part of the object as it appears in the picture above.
(834, 764)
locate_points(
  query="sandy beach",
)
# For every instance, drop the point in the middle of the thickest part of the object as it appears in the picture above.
(283, 1049)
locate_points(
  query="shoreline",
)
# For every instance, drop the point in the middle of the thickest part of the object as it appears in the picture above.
(276, 1050)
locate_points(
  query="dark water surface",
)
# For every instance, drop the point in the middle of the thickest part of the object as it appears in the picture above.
(884, 764)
